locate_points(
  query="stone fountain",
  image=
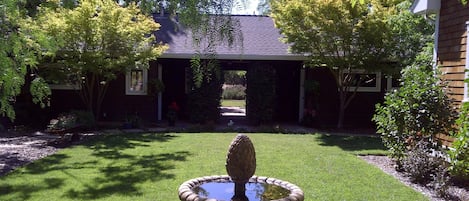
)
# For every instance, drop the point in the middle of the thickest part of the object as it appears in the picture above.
(240, 165)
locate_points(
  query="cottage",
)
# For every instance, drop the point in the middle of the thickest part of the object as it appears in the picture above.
(131, 94)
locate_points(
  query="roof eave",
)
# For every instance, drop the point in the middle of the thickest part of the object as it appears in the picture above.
(291, 57)
(425, 6)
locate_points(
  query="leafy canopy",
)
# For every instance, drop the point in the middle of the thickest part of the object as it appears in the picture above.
(344, 37)
(334, 33)
(21, 45)
(337, 35)
(99, 40)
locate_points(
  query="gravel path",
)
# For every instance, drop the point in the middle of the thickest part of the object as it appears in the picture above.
(16, 151)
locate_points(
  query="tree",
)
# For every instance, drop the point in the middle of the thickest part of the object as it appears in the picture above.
(21, 46)
(99, 40)
(343, 37)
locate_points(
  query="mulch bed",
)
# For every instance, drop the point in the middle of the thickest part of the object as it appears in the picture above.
(384, 163)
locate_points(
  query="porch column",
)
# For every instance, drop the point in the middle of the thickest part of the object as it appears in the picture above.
(160, 94)
(466, 74)
(302, 94)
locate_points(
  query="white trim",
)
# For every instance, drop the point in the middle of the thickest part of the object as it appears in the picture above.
(435, 42)
(425, 6)
(144, 82)
(389, 86)
(160, 94)
(466, 74)
(239, 57)
(302, 94)
(376, 88)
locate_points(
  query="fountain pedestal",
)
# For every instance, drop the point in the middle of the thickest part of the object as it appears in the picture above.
(240, 165)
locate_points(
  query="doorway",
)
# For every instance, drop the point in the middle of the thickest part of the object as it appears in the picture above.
(233, 100)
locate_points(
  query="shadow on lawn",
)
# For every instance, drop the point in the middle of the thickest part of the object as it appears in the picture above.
(125, 171)
(352, 143)
(119, 173)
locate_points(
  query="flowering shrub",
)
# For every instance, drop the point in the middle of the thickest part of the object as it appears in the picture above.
(173, 109)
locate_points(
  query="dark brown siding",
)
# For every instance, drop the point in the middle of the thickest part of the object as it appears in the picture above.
(357, 115)
(452, 45)
(117, 106)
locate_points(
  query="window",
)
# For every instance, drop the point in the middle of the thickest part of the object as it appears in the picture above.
(136, 82)
(366, 81)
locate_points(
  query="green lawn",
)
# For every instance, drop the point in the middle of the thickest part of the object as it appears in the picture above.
(152, 166)
(233, 103)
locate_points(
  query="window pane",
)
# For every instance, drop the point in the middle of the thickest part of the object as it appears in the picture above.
(363, 80)
(136, 80)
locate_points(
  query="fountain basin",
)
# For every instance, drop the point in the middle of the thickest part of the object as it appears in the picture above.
(189, 190)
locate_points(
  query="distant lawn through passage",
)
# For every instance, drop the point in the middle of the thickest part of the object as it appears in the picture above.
(233, 103)
(152, 166)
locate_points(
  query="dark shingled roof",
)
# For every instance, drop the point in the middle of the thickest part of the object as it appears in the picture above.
(261, 41)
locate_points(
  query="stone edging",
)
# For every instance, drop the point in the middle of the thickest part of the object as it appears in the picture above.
(186, 194)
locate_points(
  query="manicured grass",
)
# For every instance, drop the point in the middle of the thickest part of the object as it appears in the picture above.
(152, 166)
(233, 103)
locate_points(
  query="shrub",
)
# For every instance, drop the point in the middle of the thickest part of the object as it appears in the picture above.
(419, 110)
(235, 77)
(419, 163)
(261, 94)
(73, 119)
(234, 92)
(459, 154)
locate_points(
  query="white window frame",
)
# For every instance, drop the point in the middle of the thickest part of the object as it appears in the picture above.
(389, 86)
(128, 82)
(376, 88)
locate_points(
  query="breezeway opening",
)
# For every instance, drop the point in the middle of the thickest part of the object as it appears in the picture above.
(233, 100)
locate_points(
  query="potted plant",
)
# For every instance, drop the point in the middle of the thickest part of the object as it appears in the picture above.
(173, 109)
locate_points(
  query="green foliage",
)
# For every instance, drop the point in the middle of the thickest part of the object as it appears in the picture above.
(21, 45)
(261, 94)
(155, 86)
(40, 91)
(205, 95)
(341, 35)
(234, 92)
(99, 40)
(410, 34)
(459, 154)
(235, 77)
(419, 110)
(72, 120)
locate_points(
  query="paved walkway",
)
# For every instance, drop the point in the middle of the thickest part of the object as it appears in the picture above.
(233, 111)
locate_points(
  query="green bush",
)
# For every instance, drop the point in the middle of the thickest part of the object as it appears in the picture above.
(234, 92)
(419, 110)
(73, 119)
(235, 77)
(261, 94)
(459, 154)
(204, 98)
